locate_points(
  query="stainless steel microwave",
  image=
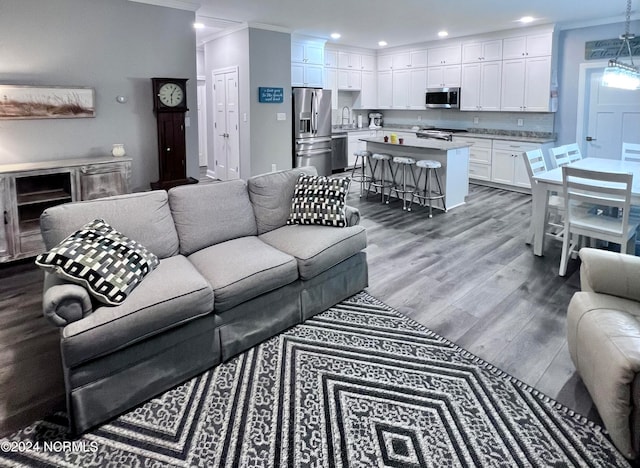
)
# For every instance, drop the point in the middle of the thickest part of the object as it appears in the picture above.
(443, 98)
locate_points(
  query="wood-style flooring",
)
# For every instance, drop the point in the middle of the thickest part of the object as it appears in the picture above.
(466, 274)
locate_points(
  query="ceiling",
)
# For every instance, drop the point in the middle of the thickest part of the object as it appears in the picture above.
(400, 22)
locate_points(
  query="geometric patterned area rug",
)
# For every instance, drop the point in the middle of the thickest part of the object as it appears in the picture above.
(359, 385)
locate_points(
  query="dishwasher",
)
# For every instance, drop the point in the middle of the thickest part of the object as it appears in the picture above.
(339, 160)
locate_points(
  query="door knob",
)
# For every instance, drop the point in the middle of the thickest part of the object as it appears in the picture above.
(590, 138)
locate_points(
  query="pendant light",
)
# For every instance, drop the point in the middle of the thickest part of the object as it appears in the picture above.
(618, 74)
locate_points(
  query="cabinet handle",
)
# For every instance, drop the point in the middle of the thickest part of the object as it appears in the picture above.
(6, 220)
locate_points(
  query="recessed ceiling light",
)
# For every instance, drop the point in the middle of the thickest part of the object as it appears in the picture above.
(335, 35)
(443, 34)
(526, 19)
(382, 43)
(198, 26)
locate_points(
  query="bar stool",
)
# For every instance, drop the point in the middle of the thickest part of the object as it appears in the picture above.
(404, 164)
(360, 176)
(382, 160)
(427, 194)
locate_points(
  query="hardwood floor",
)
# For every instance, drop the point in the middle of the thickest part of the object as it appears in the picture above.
(469, 276)
(466, 274)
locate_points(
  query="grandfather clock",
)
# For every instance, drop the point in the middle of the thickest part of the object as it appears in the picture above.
(170, 105)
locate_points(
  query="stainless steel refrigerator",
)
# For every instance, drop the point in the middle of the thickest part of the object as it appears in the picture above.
(312, 129)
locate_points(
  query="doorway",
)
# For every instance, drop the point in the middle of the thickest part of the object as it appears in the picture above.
(226, 141)
(607, 116)
(202, 124)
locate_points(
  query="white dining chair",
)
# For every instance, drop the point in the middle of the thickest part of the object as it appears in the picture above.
(559, 156)
(631, 152)
(554, 225)
(597, 207)
(573, 152)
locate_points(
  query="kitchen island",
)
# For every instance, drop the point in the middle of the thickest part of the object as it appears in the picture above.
(454, 157)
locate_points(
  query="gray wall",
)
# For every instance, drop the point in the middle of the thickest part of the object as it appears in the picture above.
(230, 50)
(570, 56)
(113, 46)
(263, 58)
(271, 141)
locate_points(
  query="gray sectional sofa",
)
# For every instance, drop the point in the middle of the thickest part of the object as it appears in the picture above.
(231, 275)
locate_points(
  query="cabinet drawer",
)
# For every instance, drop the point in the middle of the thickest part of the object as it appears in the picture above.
(515, 146)
(479, 171)
(31, 243)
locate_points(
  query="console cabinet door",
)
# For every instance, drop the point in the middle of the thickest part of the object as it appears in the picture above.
(5, 219)
(104, 180)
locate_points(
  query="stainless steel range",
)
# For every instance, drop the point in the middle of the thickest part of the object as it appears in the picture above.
(438, 133)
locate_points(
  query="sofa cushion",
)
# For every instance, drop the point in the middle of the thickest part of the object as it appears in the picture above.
(271, 195)
(317, 248)
(144, 216)
(241, 269)
(207, 214)
(107, 263)
(171, 295)
(319, 200)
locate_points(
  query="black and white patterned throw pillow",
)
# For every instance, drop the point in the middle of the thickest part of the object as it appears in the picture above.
(319, 200)
(103, 260)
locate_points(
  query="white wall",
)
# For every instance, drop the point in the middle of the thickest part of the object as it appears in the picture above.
(571, 55)
(113, 46)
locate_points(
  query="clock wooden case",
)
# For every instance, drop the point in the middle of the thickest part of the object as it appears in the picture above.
(170, 105)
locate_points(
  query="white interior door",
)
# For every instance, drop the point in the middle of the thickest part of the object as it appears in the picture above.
(202, 124)
(613, 116)
(226, 141)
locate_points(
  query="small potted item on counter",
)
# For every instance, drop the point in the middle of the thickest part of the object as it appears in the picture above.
(386, 139)
(394, 138)
(400, 141)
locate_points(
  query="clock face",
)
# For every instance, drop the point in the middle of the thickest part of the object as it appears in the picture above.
(170, 94)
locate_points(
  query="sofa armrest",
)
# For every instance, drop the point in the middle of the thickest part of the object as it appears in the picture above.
(63, 303)
(610, 273)
(352, 215)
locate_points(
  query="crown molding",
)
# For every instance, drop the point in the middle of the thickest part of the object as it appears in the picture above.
(187, 5)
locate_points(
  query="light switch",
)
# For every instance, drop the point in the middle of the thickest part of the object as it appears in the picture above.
(187, 121)
(476, 120)
(244, 117)
(281, 116)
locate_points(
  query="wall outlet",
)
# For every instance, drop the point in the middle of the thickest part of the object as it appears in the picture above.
(419, 117)
(476, 120)
(244, 117)
(520, 122)
(273, 168)
(281, 116)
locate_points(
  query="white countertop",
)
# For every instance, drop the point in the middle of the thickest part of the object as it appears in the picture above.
(495, 136)
(423, 143)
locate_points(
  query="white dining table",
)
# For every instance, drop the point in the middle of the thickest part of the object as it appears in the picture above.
(551, 181)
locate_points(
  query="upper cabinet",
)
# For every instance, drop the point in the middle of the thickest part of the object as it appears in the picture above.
(385, 62)
(330, 58)
(449, 55)
(447, 76)
(534, 45)
(482, 51)
(526, 85)
(481, 86)
(349, 61)
(368, 63)
(409, 59)
(307, 63)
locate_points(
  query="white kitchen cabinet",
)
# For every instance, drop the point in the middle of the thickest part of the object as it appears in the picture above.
(307, 75)
(400, 86)
(330, 58)
(533, 45)
(385, 62)
(401, 61)
(385, 89)
(349, 80)
(508, 165)
(449, 55)
(526, 84)
(484, 51)
(368, 63)
(307, 63)
(307, 52)
(331, 83)
(368, 92)
(481, 85)
(410, 59)
(349, 61)
(479, 157)
(447, 76)
(417, 88)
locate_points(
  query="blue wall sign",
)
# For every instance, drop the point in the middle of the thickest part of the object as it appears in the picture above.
(273, 95)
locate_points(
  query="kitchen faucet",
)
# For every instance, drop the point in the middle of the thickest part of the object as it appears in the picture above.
(348, 114)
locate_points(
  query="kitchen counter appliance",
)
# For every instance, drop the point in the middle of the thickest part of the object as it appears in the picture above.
(375, 120)
(438, 133)
(312, 129)
(442, 98)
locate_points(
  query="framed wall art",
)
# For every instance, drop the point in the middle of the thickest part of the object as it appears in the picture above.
(46, 102)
